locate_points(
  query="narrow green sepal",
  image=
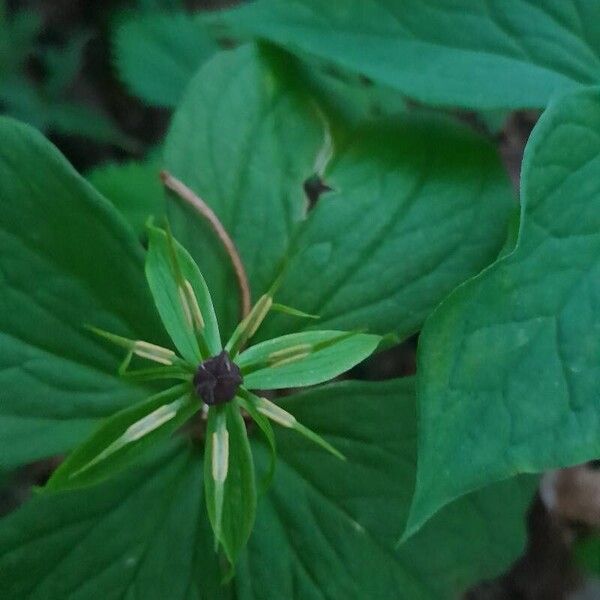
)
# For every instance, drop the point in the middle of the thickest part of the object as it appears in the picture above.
(265, 426)
(181, 297)
(124, 437)
(140, 348)
(229, 480)
(285, 419)
(249, 325)
(303, 359)
(317, 439)
(293, 312)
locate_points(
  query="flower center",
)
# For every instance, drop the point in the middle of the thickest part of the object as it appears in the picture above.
(217, 379)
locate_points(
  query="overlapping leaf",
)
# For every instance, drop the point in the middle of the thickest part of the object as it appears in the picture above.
(244, 138)
(166, 262)
(328, 528)
(124, 437)
(157, 54)
(419, 205)
(67, 259)
(509, 365)
(474, 54)
(229, 483)
(145, 534)
(135, 189)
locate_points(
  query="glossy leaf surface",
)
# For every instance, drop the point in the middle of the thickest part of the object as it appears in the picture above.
(229, 482)
(418, 206)
(113, 541)
(244, 138)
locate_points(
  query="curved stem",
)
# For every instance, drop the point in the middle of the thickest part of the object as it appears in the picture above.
(188, 196)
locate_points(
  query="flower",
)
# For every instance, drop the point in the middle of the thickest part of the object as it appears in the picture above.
(222, 378)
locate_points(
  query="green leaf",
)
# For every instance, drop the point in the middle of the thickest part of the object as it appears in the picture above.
(328, 528)
(249, 325)
(135, 189)
(509, 365)
(256, 138)
(163, 280)
(265, 427)
(486, 55)
(229, 479)
(349, 96)
(66, 259)
(435, 194)
(302, 359)
(420, 205)
(144, 534)
(157, 55)
(124, 437)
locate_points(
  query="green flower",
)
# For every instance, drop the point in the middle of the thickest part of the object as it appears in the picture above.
(214, 383)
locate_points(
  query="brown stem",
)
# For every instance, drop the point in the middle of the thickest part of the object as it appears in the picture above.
(188, 196)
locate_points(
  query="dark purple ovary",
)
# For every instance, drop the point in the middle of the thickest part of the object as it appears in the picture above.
(217, 379)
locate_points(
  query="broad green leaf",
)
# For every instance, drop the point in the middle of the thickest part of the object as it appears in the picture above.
(143, 535)
(244, 138)
(176, 311)
(124, 437)
(328, 529)
(468, 53)
(229, 482)
(135, 189)
(420, 205)
(302, 359)
(67, 259)
(157, 54)
(509, 365)
(349, 96)
(436, 197)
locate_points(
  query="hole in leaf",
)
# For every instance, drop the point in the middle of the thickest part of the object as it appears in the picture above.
(314, 186)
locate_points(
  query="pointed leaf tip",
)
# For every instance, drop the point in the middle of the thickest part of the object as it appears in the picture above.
(181, 297)
(303, 359)
(285, 419)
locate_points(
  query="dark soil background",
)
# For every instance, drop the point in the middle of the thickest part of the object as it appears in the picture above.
(568, 506)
